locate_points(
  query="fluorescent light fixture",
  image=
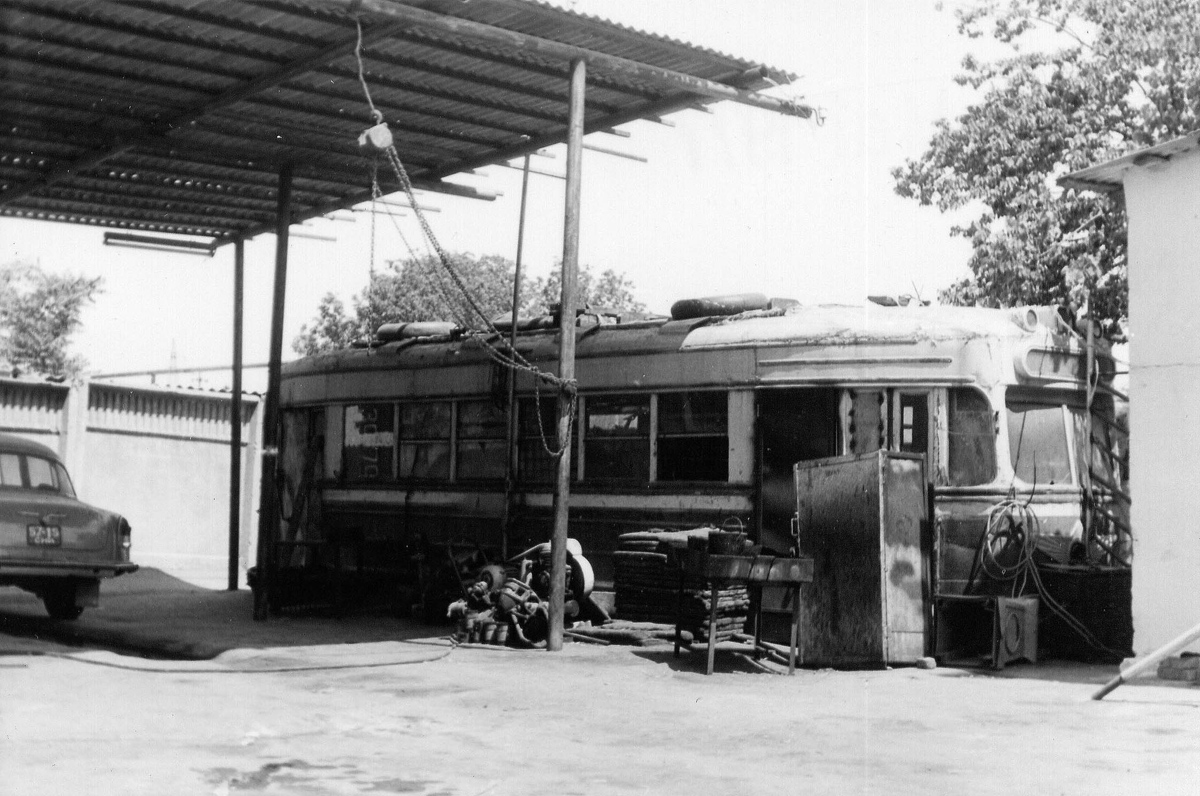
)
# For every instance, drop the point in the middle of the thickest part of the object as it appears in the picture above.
(175, 245)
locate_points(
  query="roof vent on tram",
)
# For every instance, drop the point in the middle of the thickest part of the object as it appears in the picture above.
(391, 332)
(733, 304)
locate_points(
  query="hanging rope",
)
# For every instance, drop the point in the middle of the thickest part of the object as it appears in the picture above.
(460, 300)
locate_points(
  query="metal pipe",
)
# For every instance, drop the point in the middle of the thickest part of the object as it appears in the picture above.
(268, 513)
(1171, 647)
(235, 415)
(616, 153)
(566, 356)
(528, 170)
(511, 461)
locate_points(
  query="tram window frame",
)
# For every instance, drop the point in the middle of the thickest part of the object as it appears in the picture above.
(692, 444)
(534, 464)
(618, 453)
(481, 442)
(977, 442)
(421, 435)
(911, 428)
(380, 465)
(1054, 453)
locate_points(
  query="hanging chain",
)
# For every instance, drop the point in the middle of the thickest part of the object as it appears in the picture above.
(506, 355)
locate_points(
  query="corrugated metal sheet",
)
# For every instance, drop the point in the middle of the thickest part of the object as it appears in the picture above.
(175, 115)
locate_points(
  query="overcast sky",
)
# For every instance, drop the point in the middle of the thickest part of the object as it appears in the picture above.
(738, 200)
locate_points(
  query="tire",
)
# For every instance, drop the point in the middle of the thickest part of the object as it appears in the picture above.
(60, 604)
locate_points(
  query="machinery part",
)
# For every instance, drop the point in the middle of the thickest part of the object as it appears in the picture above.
(582, 578)
(494, 576)
(517, 598)
(540, 551)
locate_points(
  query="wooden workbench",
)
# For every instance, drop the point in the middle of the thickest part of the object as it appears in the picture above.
(755, 572)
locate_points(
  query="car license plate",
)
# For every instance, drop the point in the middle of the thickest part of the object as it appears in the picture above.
(44, 535)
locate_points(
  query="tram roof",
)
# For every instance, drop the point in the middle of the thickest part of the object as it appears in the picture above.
(804, 325)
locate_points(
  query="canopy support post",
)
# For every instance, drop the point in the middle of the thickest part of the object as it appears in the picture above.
(235, 414)
(268, 512)
(510, 473)
(566, 356)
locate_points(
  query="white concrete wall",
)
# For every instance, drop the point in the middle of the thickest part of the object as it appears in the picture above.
(1163, 202)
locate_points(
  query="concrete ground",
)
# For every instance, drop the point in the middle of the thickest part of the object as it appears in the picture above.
(372, 704)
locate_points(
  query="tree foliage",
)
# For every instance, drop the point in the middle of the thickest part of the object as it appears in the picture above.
(39, 312)
(1119, 75)
(421, 290)
(609, 290)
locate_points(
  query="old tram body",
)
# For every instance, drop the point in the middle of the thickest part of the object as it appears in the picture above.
(686, 422)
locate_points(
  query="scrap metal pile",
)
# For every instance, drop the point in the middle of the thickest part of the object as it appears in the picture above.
(647, 581)
(509, 605)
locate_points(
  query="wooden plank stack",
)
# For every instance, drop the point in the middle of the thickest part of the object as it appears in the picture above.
(646, 582)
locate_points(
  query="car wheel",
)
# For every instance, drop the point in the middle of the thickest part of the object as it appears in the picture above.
(60, 604)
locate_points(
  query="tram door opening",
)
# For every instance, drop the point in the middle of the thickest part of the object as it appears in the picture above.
(803, 424)
(793, 425)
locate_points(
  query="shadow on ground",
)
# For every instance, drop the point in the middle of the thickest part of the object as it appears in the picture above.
(695, 660)
(153, 614)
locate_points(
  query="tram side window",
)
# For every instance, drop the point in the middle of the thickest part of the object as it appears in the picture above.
(617, 438)
(482, 440)
(534, 464)
(693, 436)
(972, 453)
(425, 440)
(369, 442)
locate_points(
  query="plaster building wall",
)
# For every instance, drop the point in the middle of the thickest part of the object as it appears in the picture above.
(158, 456)
(1163, 204)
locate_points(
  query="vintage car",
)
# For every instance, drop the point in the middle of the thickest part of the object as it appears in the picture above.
(51, 543)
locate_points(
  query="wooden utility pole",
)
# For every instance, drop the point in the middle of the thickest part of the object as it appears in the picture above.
(268, 512)
(566, 355)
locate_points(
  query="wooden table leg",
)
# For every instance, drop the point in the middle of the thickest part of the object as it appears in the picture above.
(758, 622)
(712, 627)
(679, 611)
(795, 629)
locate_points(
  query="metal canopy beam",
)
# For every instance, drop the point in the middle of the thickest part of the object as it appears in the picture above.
(388, 185)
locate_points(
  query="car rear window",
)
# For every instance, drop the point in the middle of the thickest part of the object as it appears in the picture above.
(33, 472)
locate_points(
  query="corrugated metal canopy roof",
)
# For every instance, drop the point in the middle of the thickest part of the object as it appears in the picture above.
(174, 116)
